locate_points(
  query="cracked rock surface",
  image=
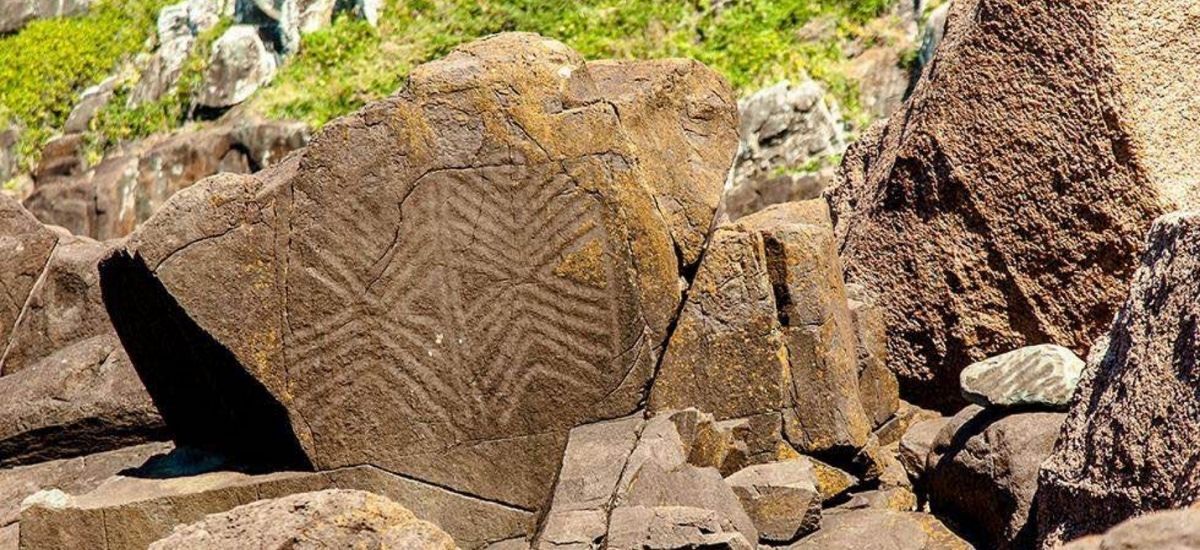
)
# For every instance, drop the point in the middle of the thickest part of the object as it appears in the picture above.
(443, 284)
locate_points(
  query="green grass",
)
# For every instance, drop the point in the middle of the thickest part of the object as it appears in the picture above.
(45, 65)
(751, 42)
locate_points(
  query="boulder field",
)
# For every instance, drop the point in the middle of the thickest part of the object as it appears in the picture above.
(509, 307)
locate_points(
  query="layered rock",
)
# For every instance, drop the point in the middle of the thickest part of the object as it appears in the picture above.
(767, 328)
(332, 518)
(983, 473)
(127, 513)
(1002, 206)
(1130, 440)
(442, 284)
(129, 185)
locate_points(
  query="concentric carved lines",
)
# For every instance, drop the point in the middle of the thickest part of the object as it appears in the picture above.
(468, 314)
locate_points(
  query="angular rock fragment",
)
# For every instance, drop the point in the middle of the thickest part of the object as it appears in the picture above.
(69, 476)
(82, 399)
(983, 473)
(781, 498)
(918, 442)
(1131, 440)
(767, 328)
(239, 66)
(333, 518)
(877, 386)
(880, 530)
(1003, 205)
(25, 248)
(670, 527)
(691, 487)
(127, 513)
(443, 284)
(906, 415)
(1035, 376)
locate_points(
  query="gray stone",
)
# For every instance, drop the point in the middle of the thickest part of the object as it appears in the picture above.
(781, 498)
(240, 64)
(91, 100)
(1037, 376)
(15, 14)
(673, 527)
(333, 518)
(175, 41)
(205, 14)
(873, 529)
(300, 17)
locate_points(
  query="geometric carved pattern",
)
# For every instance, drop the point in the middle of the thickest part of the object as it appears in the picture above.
(497, 287)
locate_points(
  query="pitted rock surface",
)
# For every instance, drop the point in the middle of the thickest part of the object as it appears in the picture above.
(1004, 205)
(1044, 376)
(444, 283)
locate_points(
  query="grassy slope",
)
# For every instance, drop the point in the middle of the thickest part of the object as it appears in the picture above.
(753, 42)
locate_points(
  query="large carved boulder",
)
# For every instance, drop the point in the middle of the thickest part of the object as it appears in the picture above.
(444, 283)
(1131, 440)
(1003, 206)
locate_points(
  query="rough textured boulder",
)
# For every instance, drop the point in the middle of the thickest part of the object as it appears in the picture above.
(983, 473)
(444, 283)
(1003, 206)
(25, 248)
(129, 185)
(130, 513)
(82, 399)
(781, 498)
(1137, 402)
(1042, 376)
(69, 476)
(872, 529)
(787, 132)
(240, 64)
(1164, 530)
(332, 518)
(767, 328)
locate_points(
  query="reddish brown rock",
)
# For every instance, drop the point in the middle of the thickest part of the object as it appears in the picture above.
(1131, 439)
(1169, 529)
(444, 283)
(1003, 205)
(332, 518)
(25, 248)
(877, 386)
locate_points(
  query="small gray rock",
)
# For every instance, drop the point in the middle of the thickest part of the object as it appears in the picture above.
(239, 66)
(1044, 375)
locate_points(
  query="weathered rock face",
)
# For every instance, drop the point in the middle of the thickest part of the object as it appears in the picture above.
(25, 248)
(82, 399)
(332, 518)
(69, 476)
(1002, 206)
(767, 328)
(641, 527)
(128, 513)
(1137, 401)
(128, 186)
(1170, 529)
(983, 473)
(239, 65)
(881, 530)
(443, 284)
(877, 386)
(781, 498)
(1035, 376)
(14, 14)
(784, 129)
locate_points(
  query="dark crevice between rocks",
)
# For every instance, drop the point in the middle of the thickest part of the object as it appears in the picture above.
(207, 399)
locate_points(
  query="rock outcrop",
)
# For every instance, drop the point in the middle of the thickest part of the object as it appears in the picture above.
(332, 518)
(1003, 205)
(443, 284)
(983, 473)
(767, 329)
(1131, 438)
(110, 199)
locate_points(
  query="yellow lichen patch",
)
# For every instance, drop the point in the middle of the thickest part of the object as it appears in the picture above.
(585, 265)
